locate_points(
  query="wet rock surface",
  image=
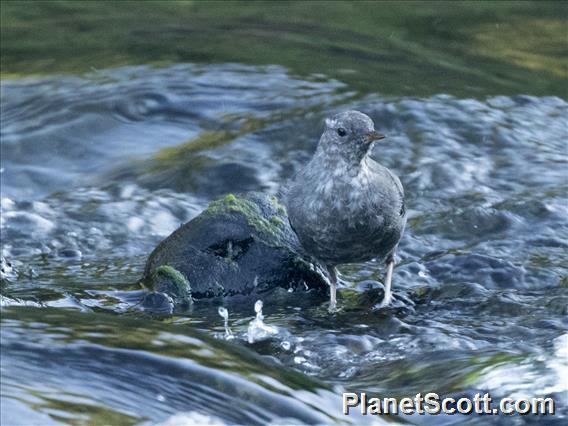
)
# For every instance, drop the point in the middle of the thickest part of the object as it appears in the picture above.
(241, 244)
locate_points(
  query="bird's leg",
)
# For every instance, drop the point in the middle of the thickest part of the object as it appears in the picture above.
(388, 280)
(332, 288)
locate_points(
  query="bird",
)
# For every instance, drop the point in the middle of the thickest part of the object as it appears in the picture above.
(344, 206)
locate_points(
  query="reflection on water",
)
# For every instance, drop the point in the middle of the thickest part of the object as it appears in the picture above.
(97, 170)
(411, 48)
(87, 126)
(88, 367)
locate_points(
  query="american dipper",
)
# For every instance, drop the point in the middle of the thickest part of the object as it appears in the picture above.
(344, 206)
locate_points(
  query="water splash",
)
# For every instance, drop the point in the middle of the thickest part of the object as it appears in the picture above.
(225, 315)
(257, 329)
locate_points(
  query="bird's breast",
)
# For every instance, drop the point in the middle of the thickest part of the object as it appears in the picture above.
(342, 217)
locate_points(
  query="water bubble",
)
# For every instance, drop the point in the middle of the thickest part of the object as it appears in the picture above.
(225, 315)
(285, 345)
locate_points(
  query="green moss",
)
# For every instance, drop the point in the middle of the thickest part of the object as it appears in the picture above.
(169, 280)
(255, 219)
(229, 198)
(173, 274)
(272, 229)
(275, 220)
(279, 206)
(420, 292)
(354, 300)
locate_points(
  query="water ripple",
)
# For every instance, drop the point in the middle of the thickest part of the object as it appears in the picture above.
(97, 170)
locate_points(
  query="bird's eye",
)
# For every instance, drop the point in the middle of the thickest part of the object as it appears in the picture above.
(341, 131)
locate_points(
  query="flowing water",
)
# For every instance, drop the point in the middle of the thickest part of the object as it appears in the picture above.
(97, 168)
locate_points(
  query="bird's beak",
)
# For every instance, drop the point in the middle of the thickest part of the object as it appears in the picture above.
(374, 136)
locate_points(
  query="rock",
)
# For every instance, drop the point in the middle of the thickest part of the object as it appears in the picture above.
(240, 244)
(159, 303)
(7, 271)
(167, 280)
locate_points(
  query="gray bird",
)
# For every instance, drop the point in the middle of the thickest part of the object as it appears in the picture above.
(344, 206)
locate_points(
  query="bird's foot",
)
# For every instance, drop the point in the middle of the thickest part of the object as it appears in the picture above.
(332, 291)
(387, 299)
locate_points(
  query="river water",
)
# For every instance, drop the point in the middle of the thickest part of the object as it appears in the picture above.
(97, 169)
(121, 122)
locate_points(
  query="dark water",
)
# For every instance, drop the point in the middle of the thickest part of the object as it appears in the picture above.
(96, 170)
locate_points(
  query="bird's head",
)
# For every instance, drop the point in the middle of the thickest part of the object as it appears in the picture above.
(349, 135)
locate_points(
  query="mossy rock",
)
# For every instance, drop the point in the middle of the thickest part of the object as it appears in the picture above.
(241, 244)
(168, 280)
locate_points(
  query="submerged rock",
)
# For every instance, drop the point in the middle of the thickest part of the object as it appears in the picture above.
(240, 244)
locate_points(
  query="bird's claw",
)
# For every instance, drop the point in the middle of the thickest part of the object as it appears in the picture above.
(387, 299)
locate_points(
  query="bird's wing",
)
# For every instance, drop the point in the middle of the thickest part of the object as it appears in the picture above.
(382, 170)
(400, 188)
(397, 182)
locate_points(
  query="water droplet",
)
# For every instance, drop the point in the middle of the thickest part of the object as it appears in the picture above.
(299, 359)
(285, 345)
(225, 315)
(258, 308)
